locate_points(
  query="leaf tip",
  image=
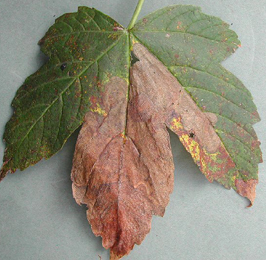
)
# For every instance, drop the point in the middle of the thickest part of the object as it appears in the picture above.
(3, 174)
(4, 170)
(247, 189)
(41, 41)
(114, 256)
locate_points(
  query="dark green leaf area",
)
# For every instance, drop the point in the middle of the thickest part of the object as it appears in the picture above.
(86, 37)
(216, 94)
(85, 50)
(235, 112)
(85, 20)
(182, 35)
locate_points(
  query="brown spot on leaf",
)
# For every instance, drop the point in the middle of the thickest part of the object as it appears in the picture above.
(144, 20)
(117, 28)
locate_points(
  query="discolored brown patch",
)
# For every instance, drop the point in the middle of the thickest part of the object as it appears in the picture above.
(123, 167)
(247, 189)
(165, 91)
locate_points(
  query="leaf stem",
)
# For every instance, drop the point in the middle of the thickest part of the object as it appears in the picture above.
(135, 15)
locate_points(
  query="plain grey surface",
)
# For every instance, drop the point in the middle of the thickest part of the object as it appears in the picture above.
(39, 219)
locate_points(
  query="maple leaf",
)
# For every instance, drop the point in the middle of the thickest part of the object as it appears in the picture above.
(123, 165)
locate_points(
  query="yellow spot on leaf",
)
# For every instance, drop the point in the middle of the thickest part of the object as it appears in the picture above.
(192, 146)
(199, 154)
(134, 41)
(176, 124)
(99, 110)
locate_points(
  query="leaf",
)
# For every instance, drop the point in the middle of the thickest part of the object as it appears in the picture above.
(123, 166)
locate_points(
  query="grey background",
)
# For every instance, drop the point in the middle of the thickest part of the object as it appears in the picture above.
(39, 219)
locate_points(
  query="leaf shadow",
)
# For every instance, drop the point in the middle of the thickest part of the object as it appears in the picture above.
(187, 173)
(41, 59)
(181, 156)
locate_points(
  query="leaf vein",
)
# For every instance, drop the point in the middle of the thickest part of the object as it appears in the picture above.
(238, 139)
(217, 94)
(190, 33)
(233, 122)
(244, 91)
